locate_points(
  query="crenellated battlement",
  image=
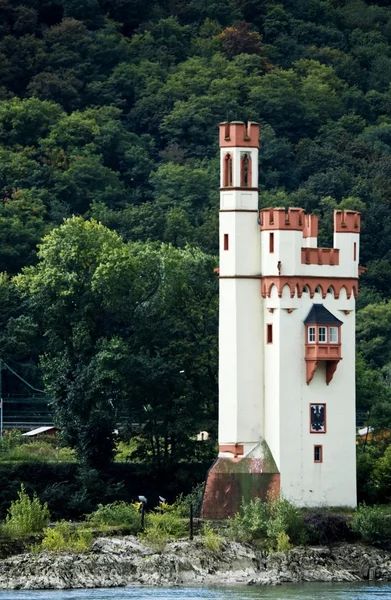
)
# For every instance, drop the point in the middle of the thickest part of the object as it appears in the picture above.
(320, 256)
(289, 244)
(347, 221)
(238, 134)
(282, 219)
(310, 226)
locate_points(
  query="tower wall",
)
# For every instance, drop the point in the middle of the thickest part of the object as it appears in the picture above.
(245, 466)
(240, 318)
(296, 275)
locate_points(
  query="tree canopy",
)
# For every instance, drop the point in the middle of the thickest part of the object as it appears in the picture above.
(108, 119)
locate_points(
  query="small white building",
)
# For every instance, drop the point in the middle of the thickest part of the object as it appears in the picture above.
(286, 346)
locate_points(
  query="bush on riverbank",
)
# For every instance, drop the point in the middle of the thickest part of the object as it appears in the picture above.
(66, 537)
(276, 524)
(117, 514)
(325, 527)
(373, 525)
(25, 516)
(161, 526)
(210, 539)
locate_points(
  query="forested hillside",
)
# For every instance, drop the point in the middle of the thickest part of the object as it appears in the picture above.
(109, 110)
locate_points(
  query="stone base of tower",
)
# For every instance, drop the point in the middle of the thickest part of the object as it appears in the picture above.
(232, 480)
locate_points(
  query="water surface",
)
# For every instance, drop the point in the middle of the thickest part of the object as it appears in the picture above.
(308, 591)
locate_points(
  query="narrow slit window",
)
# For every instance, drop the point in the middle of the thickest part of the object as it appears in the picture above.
(318, 454)
(269, 333)
(246, 171)
(355, 251)
(333, 335)
(228, 171)
(271, 243)
(226, 241)
(322, 335)
(311, 335)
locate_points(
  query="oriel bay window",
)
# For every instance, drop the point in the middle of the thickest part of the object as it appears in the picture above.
(323, 335)
(323, 341)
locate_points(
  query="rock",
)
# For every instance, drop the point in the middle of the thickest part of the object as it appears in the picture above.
(115, 562)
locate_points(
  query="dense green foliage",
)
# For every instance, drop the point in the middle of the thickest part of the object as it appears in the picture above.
(118, 514)
(373, 525)
(65, 537)
(25, 516)
(109, 111)
(71, 495)
(161, 526)
(276, 523)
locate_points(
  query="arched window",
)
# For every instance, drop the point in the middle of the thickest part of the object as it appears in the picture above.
(228, 171)
(245, 171)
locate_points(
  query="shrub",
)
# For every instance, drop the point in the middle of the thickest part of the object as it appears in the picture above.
(277, 522)
(65, 537)
(372, 524)
(324, 527)
(283, 543)
(162, 526)
(194, 498)
(251, 522)
(210, 539)
(9, 440)
(285, 518)
(26, 516)
(117, 514)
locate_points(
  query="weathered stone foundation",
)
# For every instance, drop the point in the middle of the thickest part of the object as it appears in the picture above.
(232, 480)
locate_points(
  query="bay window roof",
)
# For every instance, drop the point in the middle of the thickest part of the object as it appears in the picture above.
(319, 315)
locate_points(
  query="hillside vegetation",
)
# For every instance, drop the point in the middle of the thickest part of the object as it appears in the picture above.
(108, 118)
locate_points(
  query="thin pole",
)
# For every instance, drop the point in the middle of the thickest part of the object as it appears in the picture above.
(142, 516)
(191, 536)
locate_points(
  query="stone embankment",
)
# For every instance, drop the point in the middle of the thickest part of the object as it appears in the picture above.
(126, 562)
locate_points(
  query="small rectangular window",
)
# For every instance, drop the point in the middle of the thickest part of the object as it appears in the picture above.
(269, 333)
(355, 251)
(317, 418)
(333, 335)
(271, 243)
(318, 454)
(322, 335)
(311, 335)
(226, 241)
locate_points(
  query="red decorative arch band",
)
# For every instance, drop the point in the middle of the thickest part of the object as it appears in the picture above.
(297, 285)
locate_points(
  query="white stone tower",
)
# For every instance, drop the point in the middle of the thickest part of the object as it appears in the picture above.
(240, 318)
(286, 346)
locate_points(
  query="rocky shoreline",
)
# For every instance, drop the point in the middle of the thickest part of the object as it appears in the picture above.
(116, 562)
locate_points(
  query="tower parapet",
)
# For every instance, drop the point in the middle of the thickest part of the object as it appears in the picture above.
(238, 134)
(347, 221)
(282, 219)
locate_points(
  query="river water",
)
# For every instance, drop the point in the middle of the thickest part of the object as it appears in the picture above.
(308, 591)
